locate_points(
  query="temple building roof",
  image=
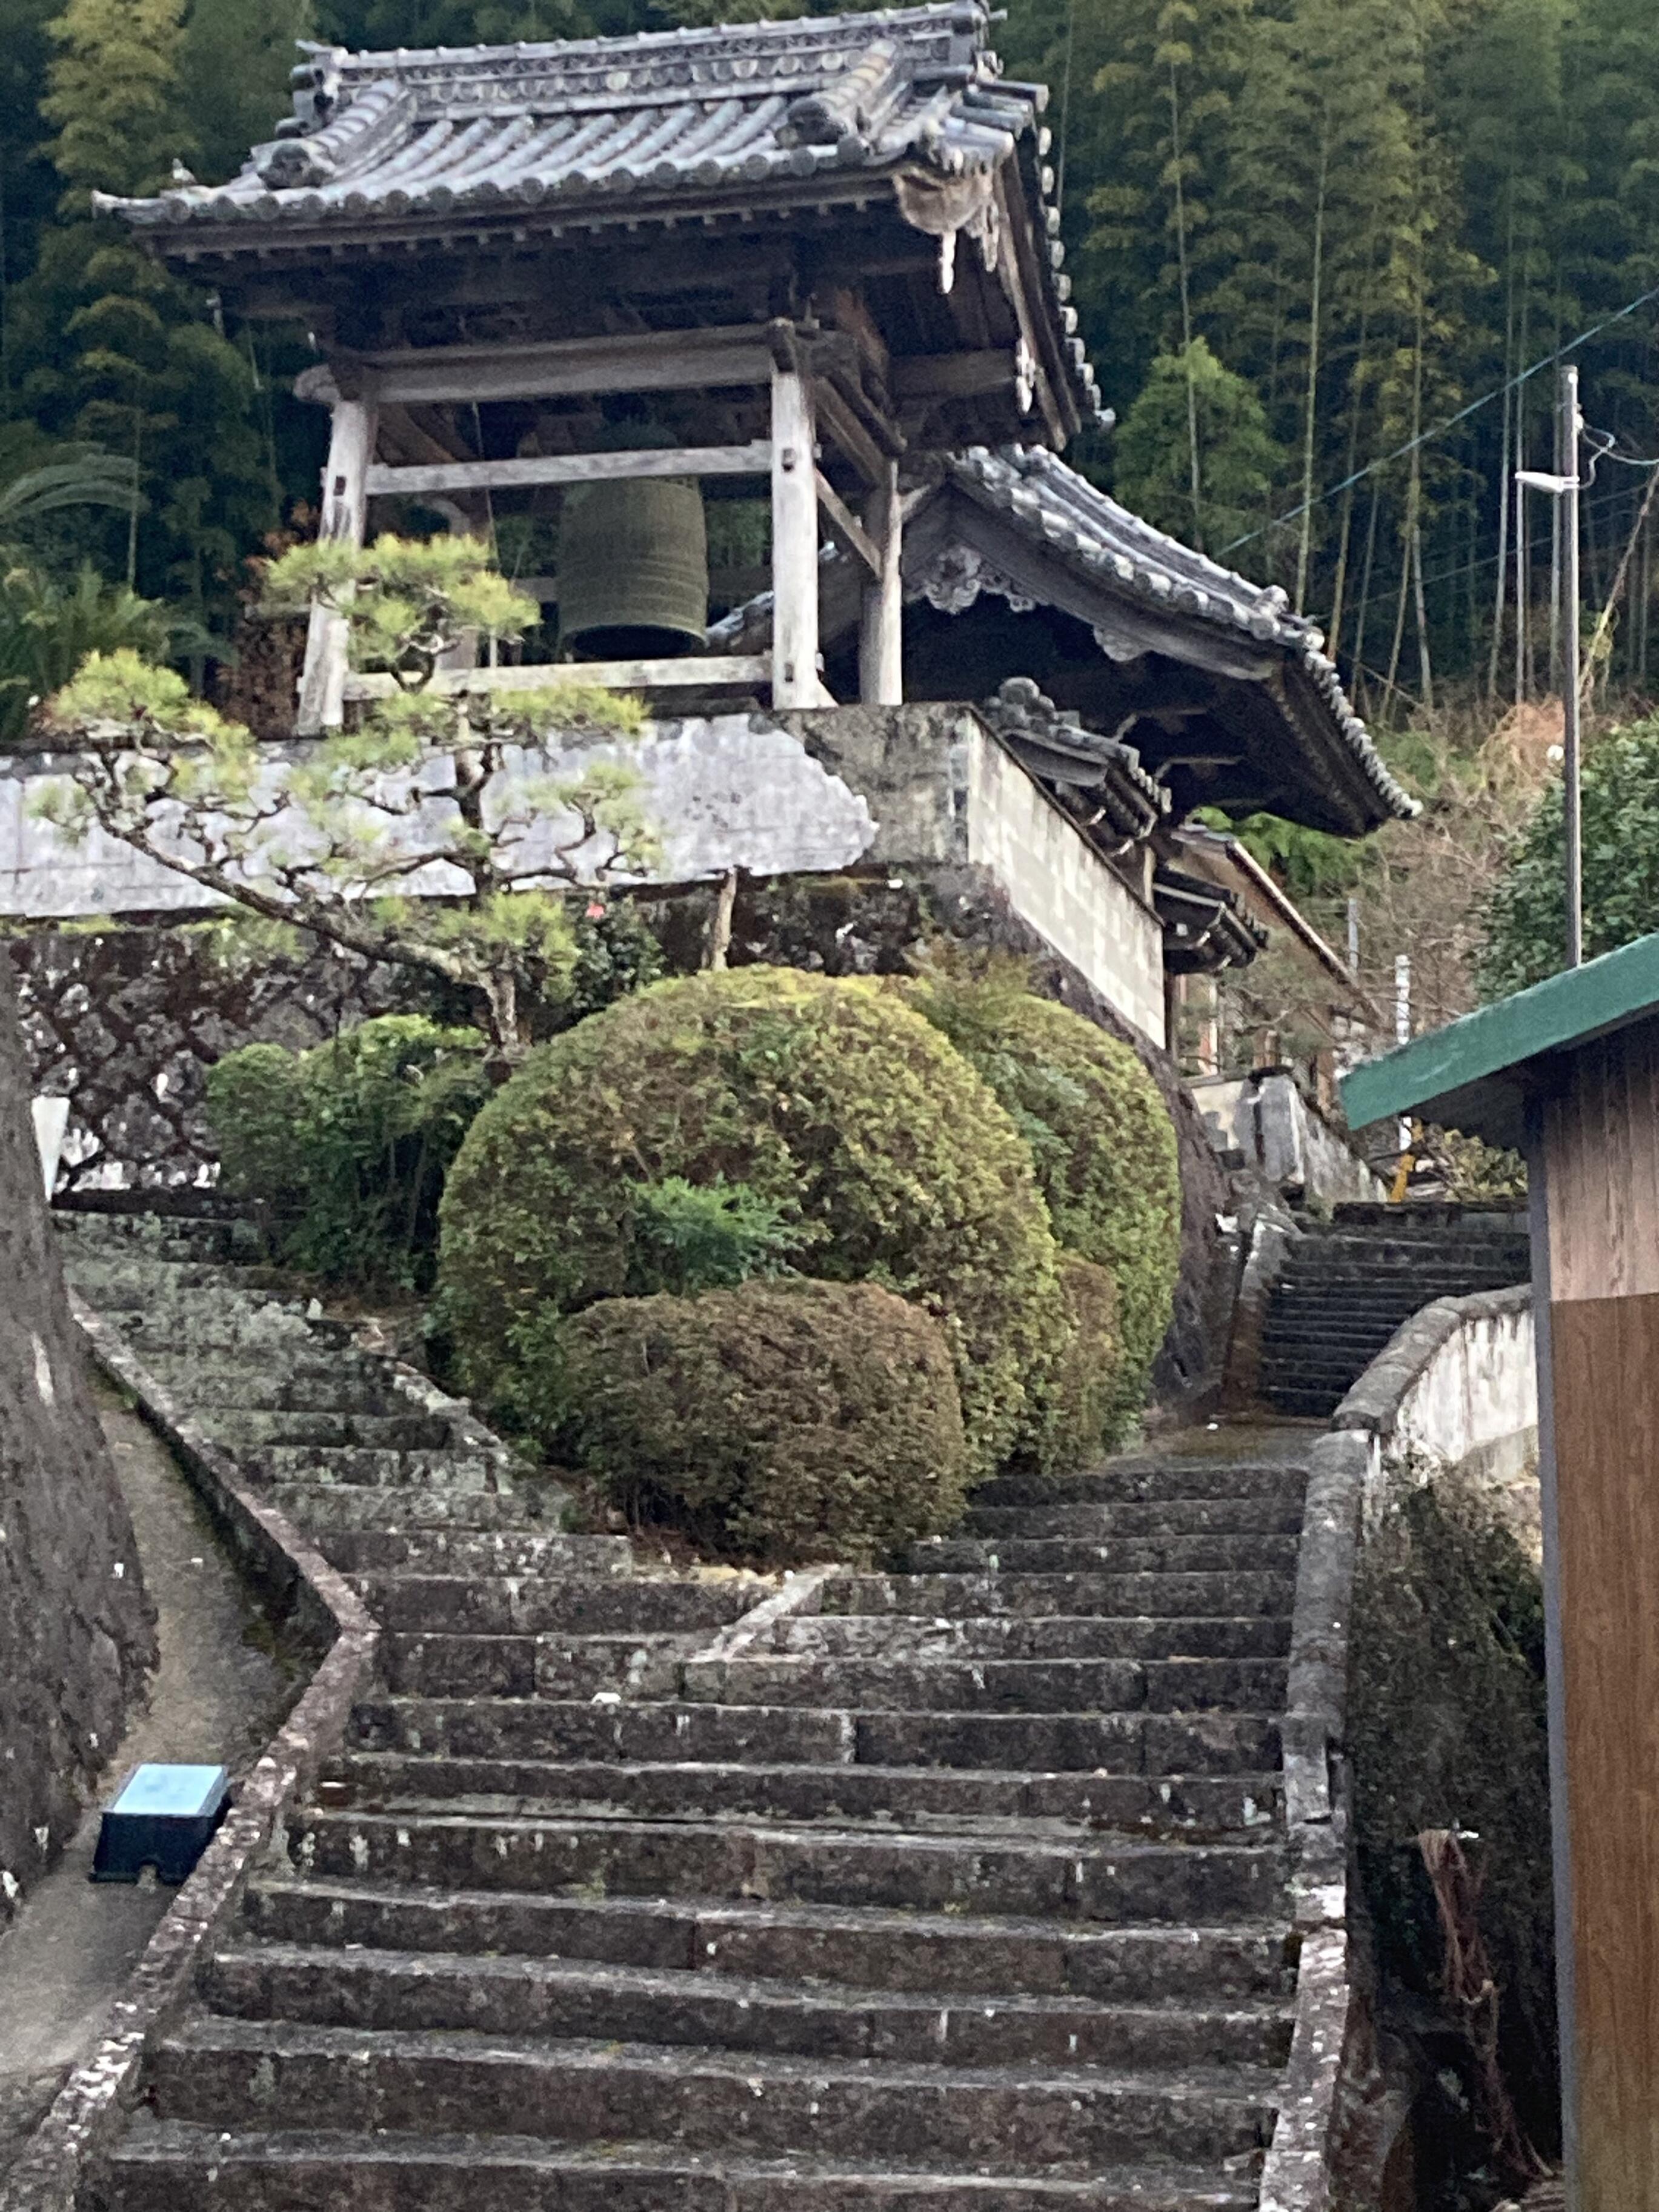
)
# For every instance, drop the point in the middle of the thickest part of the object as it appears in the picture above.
(903, 109)
(1226, 696)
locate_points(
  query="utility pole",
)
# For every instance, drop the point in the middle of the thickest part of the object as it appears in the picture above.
(1572, 424)
(1563, 488)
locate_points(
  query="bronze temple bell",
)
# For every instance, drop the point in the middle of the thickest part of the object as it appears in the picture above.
(634, 570)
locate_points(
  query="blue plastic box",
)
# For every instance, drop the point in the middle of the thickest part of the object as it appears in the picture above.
(164, 1817)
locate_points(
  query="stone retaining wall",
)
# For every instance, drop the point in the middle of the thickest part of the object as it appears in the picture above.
(1456, 1386)
(77, 1635)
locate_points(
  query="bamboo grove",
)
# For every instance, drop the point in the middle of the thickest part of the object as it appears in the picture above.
(1305, 235)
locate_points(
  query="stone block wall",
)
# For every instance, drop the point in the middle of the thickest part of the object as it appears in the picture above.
(77, 1635)
(126, 1022)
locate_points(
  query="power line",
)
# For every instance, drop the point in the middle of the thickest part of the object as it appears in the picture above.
(1427, 437)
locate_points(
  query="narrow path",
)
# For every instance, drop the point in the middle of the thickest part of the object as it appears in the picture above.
(219, 1694)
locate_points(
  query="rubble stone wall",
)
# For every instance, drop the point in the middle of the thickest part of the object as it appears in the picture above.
(77, 1635)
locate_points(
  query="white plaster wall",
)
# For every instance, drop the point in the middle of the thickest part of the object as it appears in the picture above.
(727, 791)
(1062, 887)
(1479, 1392)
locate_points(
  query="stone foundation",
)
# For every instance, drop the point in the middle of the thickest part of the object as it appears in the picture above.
(77, 1635)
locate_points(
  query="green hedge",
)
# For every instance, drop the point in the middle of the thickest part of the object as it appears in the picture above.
(829, 1098)
(1100, 1134)
(1080, 1395)
(346, 1146)
(785, 1421)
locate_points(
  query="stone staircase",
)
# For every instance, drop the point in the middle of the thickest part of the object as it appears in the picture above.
(1348, 1284)
(966, 1892)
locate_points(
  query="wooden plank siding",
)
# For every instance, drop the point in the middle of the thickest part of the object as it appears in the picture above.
(1599, 1142)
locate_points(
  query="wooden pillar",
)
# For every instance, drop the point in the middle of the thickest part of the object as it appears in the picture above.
(1593, 1171)
(345, 511)
(794, 543)
(881, 630)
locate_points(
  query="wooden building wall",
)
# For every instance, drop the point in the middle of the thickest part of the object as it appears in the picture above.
(1597, 1142)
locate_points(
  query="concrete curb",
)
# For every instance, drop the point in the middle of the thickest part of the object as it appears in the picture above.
(90, 2109)
(1297, 2174)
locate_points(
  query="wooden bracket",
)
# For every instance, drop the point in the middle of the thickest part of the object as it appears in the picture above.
(846, 527)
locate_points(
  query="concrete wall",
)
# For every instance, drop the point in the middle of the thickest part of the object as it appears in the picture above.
(76, 1634)
(801, 794)
(1288, 1145)
(1062, 887)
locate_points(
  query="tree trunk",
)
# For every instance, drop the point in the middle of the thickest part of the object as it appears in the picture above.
(1310, 410)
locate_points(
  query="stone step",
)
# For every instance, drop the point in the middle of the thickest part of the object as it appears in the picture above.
(1043, 1636)
(1129, 1480)
(1034, 1596)
(407, 1521)
(537, 1728)
(920, 1797)
(925, 1684)
(223, 2073)
(175, 2168)
(1159, 1744)
(155, 1237)
(438, 1533)
(456, 1471)
(1102, 1880)
(1061, 1555)
(253, 1433)
(519, 1996)
(570, 1605)
(860, 1948)
(641, 1666)
(184, 1280)
(333, 1387)
(1307, 1404)
(1163, 1516)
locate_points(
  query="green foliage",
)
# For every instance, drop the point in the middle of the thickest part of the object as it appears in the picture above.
(346, 1146)
(1100, 1135)
(1447, 1730)
(1082, 1412)
(830, 1096)
(615, 952)
(47, 629)
(112, 97)
(1526, 920)
(786, 1421)
(1191, 394)
(1311, 864)
(688, 1237)
(147, 749)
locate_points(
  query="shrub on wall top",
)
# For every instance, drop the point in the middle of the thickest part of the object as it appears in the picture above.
(828, 1096)
(1099, 1132)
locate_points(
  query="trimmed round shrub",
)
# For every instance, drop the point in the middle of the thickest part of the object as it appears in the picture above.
(780, 1420)
(1080, 1396)
(1099, 1132)
(829, 1099)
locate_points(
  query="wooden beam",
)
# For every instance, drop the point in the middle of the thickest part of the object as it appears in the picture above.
(345, 473)
(835, 415)
(794, 542)
(753, 459)
(635, 361)
(694, 672)
(881, 625)
(845, 525)
(955, 375)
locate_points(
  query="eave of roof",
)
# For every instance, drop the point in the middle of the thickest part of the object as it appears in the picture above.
(1054, 505)
(1474, 1075)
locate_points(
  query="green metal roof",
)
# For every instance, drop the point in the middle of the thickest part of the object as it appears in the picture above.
(1472, 1075)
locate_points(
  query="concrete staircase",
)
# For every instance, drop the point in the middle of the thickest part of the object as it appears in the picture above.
(965, 1894)
(1348, 1285)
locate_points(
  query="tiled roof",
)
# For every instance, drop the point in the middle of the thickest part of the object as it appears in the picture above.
(1052, 503)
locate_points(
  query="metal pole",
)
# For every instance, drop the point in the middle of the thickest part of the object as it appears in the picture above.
(1572, 426)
